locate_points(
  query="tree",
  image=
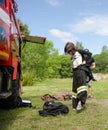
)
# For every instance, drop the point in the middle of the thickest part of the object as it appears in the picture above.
(43, 61)
(104, 49)
(79, 45)
(65, 70)
(101, 61)
(23, 27)
(37, 58)
(53, 65)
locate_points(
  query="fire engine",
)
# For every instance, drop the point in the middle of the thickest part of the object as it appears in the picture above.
(11, 41)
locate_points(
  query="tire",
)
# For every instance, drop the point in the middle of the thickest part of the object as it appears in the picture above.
(14, 100)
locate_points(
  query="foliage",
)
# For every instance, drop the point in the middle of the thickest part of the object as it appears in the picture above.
(35, 58)
(59, 66)
(104, 49)
(79, 45)
(52, 65)
(44, 61)
(28, 78)
(101, 62)
(65, 70)
(23, 27)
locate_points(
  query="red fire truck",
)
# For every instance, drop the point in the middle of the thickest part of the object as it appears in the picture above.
(11, 41)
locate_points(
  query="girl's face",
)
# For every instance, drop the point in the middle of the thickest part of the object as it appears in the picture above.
(71, 52)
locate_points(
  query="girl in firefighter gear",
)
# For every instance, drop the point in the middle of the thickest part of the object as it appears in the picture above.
(79, 90)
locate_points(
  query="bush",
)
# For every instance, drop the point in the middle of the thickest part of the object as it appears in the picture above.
(28, 79)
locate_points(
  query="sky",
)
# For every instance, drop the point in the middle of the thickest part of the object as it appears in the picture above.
(60, 21)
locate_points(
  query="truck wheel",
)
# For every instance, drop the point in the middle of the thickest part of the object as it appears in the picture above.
(14, 100)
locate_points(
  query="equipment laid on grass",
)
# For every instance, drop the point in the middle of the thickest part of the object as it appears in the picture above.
(52, 108)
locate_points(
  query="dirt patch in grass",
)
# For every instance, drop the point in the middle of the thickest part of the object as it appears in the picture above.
(103, 102)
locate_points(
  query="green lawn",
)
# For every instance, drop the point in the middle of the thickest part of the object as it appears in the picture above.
(93, 117)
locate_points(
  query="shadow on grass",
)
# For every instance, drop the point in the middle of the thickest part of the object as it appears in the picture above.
(7, 117)
(14, 117)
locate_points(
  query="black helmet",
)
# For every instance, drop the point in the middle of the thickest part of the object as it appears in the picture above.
(87, 50)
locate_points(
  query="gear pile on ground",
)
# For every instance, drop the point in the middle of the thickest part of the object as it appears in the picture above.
(52, 108)
(63, 96)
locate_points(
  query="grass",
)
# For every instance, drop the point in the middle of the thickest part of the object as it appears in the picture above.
(93, 117)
